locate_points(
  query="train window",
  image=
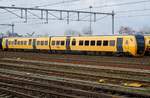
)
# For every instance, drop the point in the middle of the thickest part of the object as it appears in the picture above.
(15, 42)
(57, 42)
(38, 43)
(21, 42)
(53, 43)
(46, 42)
(99, 43)
(81, 43)
(86, 43)
(105, 43)
(127, 42)
(112, 42)
(25, 42)
(74, 42)
(9, 42)
(62, 43)
(42, 43)
(30, 41)
(92, 43)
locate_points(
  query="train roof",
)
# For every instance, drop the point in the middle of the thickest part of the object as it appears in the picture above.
(76, 36)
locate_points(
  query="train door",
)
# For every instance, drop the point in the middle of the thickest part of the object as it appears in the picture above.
(6, 43)
(119, 44)
(68, 43)
(34, 44)
(0, 43)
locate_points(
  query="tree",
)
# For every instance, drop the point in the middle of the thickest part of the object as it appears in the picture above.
(126, 30)
(145, 30)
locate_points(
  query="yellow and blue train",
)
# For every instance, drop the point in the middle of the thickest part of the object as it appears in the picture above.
(135, 45)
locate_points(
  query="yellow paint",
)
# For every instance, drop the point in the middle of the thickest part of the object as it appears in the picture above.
(133, 84)
(102, 81)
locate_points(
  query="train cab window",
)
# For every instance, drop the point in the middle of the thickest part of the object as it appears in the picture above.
(42, 43)
(74, 42)
(105, 43)
(86, 43)
(57, 42)
(112, 42)
(62, 43)
(46, 42)
(30, 41)
(53, 43)
(81, 43)
(92, 43)
(99, 43)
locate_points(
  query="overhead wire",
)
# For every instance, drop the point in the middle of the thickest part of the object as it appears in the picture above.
(58, 3)
(118, 4)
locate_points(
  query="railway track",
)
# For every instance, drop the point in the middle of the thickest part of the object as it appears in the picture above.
(25, 70)
(70, 86)
(38, 86)
(77, 69)
(141, 63)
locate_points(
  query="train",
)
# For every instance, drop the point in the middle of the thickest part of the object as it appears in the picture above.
(120, 45)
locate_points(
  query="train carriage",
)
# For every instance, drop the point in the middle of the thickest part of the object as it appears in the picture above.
(17, 43)
(133, 45)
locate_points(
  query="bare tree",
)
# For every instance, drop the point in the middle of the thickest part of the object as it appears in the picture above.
(126, 30)
(145, 30)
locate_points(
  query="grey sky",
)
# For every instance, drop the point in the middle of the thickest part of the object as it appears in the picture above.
(135, 20)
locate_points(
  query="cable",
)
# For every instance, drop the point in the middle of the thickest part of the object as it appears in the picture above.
(138, 10)
(130, 16)
(119, 4)
(57, 3)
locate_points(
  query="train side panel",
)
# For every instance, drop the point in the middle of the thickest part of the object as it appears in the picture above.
(58, 43)
(42, 43)
(97, 44)
(17, 43)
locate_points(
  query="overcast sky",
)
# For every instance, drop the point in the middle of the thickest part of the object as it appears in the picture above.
(134, 19)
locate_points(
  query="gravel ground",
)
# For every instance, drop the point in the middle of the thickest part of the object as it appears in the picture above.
(123, 62)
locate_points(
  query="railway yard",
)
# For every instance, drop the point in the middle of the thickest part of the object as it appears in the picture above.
(43, 75)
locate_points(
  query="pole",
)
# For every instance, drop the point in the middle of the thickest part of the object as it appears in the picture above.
(90, 20)
(13, 28)
(113, 22)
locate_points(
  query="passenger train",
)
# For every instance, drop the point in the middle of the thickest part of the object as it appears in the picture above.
(134, 45)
